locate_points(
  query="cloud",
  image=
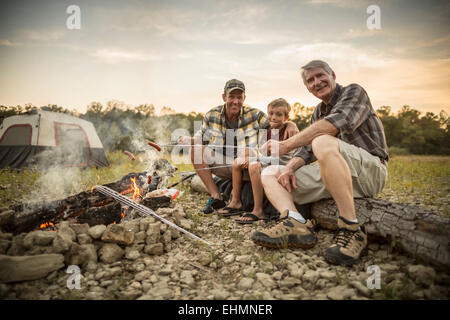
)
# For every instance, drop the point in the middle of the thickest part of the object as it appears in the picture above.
(8, 43)
(116, 56)
(43, 35)
(342, 3)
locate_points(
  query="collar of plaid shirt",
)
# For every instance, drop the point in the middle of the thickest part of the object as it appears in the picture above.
(326, 108)
(224, 108)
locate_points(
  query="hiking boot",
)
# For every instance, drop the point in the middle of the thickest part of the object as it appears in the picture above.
(213, 204)
(287, 233)
(348, 244)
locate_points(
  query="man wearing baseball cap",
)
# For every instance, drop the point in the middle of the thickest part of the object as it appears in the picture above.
(226, 129)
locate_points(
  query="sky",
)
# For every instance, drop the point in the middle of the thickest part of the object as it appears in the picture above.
(180, 53)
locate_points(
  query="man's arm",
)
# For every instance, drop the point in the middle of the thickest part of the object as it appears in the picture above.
(291, 130)
(287, 179)
(306, 136)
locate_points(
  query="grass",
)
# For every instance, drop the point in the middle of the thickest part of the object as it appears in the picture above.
(419, 180)
(423, 180)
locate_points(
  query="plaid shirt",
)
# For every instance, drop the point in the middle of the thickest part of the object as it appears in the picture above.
(248, 134)
(351, 112)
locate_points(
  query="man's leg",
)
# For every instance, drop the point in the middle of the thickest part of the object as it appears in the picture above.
(198, 161)
(335, 174)
(237, 187)
(280, 198)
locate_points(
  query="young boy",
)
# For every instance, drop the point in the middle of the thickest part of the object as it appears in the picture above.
(278, 113)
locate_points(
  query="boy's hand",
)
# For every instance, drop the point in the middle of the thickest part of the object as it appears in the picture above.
(242, 162)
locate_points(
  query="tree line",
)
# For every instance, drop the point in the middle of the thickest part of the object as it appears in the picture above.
(121, 126)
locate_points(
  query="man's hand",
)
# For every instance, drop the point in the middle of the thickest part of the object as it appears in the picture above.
(287, 179)
(242, 162)
(184, 140)
(291, 130)
(274, 148)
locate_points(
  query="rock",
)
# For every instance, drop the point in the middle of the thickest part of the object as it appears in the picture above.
(220, 294)
(5, 216)
(326, 274)
(132, 225)
(6, 236)
(153, 233)
(277, 275)
(44, 238)
(244, 259)
(245, 283)
(198, 185)
(77, 255)
(340, 293)
(4, 245)
(80, 228)
(23, 268)
(144, 222)
(311, 276)
(96, 232)
(421, 274)
(289, 282)
(166, 237)
(110, 252)
(186, 278)
(143, 275)
(154, 249)
(185, 224)
(361, 288)
(17, 248)
(61, 244)
(84, 238)
(139, 237)
(115, 233)
(66, 232)
(266, 280)
(132, 254)
(228, 258)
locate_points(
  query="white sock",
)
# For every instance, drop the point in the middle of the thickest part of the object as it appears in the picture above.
(297, 216)
(355, 220)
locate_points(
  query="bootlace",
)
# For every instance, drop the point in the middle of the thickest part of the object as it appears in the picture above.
(210, 200)
(343, 237)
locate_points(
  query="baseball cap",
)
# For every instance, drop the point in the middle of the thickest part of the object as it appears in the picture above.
(232, 85)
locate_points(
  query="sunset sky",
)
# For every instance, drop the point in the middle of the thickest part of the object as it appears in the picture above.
(180, 53)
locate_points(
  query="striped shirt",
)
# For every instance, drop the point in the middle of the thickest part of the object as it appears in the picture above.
(351, 112)
(248, 133)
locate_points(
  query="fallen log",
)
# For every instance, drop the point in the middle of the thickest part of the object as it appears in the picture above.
(418, 231)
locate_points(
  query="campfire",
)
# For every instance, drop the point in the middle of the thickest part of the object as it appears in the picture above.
(147, 188)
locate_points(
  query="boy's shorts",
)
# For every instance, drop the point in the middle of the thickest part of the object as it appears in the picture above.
(369, 176)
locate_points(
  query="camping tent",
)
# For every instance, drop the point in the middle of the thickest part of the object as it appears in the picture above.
(44, 139)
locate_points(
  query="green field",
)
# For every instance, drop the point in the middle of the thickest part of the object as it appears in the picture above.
(419, 180)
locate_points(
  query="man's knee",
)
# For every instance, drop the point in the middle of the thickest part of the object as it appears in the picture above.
(269, 173)
(325, 145)
(254, 168)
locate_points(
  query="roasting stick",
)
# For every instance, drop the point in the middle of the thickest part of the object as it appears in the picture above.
(144, 210)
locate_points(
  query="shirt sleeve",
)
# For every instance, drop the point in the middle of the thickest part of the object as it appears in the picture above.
(306, 154)
(350, 110)
(203, 133)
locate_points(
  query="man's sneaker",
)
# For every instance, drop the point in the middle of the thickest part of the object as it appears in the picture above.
(213, 204)
(348, 244)
(287, 233)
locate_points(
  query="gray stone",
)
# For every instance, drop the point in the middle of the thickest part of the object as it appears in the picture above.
(115, 233)
(361, 288)
(140, 276)
(311, 276)
(229, 258)
(80, 228)
(153, 233)
(132, 225)
(154, 249)
(132, 254)
(245, 283)
(13, 269)
(77, 255)
(61, 244)
(4, 245)
(144, 222)
(421, 274)
(220, 294)
(166, 237)
(110, 252)
(97, 231)
(139, 237)
(340, 293)
(66, 232)
(266, 280)
(84, 238)
(289, 282)
(44, 238)
(186, 277)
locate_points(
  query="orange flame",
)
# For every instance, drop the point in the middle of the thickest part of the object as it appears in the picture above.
(137, 192)
(47, 225)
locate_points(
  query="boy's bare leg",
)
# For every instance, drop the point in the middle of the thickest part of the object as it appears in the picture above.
(254, 170)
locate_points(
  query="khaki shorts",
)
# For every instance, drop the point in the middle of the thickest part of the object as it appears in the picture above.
(217, 159)
(368, 175)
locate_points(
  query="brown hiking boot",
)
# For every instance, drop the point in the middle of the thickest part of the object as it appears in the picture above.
(348, 244)
(287, 233)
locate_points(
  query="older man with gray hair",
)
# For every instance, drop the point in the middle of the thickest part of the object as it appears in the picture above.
(347, 139)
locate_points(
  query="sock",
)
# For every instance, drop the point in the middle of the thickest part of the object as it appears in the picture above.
(297, 216)
(355, 221)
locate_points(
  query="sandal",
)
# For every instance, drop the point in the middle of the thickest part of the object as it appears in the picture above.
(228, 212)
(253, 217)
